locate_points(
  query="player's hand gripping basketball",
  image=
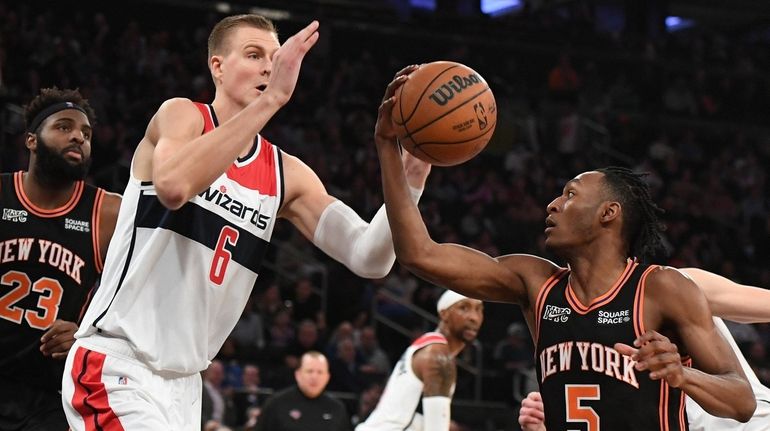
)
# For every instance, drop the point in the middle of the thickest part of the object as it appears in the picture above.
(385, 129)
(287, 62)
(416, 170)
(655, 352)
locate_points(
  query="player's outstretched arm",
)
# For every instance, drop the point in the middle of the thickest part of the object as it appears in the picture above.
(183, 163)
(730, 300)
(365, 248)
(455, 267)
(718, 384)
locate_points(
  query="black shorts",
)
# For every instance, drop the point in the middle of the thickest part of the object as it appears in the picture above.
(30, 408)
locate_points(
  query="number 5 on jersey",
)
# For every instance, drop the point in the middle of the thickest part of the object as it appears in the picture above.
(576, 411)
(228, 237)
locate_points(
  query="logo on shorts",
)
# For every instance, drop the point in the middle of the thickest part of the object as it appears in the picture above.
(556, 314)
(18, 216)
(122, 380)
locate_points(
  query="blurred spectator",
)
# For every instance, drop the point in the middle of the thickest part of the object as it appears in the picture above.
(374, 361)
(345, 372)
(307, 339)
(306, 302)
(247, 396)
(217, 404)
(249, 331)
(366, 403)
(305, 406)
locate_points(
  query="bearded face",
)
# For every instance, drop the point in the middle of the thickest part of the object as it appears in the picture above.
(54, 167)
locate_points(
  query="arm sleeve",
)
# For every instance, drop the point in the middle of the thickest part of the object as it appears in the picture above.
(364, 248)
(436, 413)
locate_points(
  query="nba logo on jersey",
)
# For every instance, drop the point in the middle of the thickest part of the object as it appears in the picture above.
(122, 380)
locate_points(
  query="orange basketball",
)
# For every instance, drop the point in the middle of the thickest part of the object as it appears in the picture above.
(445, 113)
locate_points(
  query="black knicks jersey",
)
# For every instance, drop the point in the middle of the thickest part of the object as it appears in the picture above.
(585, 383)
(49, 262)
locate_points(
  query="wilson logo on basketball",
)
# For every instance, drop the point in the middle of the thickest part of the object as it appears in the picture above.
(457, 84)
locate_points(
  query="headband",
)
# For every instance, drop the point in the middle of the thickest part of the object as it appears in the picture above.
(448, 299)
(47, 112)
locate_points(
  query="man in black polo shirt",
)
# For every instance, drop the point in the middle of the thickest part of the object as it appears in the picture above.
(305, 406)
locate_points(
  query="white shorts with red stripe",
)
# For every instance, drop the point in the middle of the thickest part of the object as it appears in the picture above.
(108, 390)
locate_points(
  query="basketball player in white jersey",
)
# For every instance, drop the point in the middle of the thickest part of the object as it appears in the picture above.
(198, 213)
(740, 303)
(426, 371)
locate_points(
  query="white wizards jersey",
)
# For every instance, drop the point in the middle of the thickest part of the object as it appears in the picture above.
(396, 410)
(176, 282)
(699, 420)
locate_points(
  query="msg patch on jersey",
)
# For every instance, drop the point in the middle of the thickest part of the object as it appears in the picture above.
(18, 216)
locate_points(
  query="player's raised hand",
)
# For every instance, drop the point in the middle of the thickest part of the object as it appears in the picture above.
(58, 339)
(287, 62)
(384, 128)
(655, 352)
(532, 413)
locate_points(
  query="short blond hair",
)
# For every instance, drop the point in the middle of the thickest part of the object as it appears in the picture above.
(223, 29)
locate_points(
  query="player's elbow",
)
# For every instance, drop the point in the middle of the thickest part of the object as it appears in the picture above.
(745, 411)
(415, 258)
(171, 194)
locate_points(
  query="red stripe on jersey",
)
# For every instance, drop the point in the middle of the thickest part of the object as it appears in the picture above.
(208, 123)
(260, 174)
(90, 397)
(430, 338)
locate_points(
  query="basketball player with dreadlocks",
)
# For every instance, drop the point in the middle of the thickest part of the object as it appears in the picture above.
(610, 332)
(54, 233)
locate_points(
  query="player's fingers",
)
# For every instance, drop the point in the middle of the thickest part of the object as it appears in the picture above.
(60, 355)
(407, 70)
(307, 32)
(535, 396)
(390, 90)
(310, 41)
(648, 337)
(625, 349)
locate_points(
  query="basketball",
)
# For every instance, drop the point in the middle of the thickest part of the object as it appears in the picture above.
(445, 113)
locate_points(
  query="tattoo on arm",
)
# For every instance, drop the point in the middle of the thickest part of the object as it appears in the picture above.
(439, 375)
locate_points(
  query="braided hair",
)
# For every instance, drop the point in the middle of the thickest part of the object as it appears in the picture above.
(642, 229)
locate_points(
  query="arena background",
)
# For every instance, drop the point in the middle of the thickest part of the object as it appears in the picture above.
(674, 88)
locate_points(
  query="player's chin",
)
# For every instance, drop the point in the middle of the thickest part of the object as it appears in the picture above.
(469, 335)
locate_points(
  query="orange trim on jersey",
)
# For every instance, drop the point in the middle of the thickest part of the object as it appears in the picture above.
(607, 297)
(18, 178)
(682, 415)
(429, 338)
(542, 294)
(663, 406)
(639, 328)
(95, 219)
(208, 123)
(90, 397)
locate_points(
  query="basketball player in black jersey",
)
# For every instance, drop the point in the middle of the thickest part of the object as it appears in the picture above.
(609, 332)
(54, 232)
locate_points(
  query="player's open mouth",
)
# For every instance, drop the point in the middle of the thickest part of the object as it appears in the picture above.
(262, 87)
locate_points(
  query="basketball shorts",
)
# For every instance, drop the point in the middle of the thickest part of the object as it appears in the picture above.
(110, 389)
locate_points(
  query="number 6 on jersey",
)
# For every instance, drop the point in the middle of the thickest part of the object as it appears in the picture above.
(228, 236)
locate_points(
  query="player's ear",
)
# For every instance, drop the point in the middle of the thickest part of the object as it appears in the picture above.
(611, 211)
(216, 67)
(31, 141)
